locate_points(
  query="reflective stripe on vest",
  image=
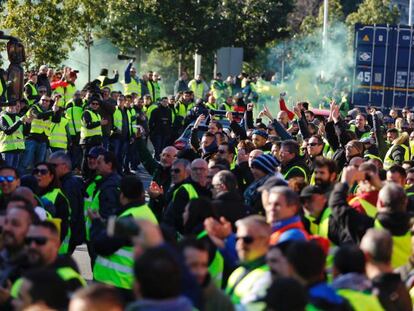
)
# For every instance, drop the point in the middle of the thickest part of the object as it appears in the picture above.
(96, 131)
(51, 196)
(370, 210)
(39, 126)
(401, 250)
(388, 162)
(13, 141)
(241, 282)
(361, 301)
(216, 267)
(189, 188)
(116, 269)
(58, 137)
(299, 168)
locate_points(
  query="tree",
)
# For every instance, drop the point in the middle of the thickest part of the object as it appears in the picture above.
(374, 12)
(85, 19)
(251, 24)
(335, 15)
(41, 28)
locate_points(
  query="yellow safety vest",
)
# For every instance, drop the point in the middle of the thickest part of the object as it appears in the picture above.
(216, 267)
(96, 131)
(51, 196)
(361, 301)
(401, 250)
(149, 109)
(370, 210)
(58, 136)
(34, 93)
(116, 269)
(118, 118)
(70, 90)
(39, 126)
(133, 87)
(189, 188)
(14, 141)
(388, 162)
(74, 116)
(197, 88)
(239, 286)
(88, 204)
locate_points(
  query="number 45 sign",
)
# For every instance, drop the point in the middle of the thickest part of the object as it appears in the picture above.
(364, 76)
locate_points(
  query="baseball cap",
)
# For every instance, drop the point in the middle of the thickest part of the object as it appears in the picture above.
(308, 191)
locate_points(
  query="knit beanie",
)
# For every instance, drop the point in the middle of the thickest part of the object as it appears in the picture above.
(266, 163)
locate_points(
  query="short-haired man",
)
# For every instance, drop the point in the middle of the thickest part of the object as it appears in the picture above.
(247, 285)
(292, 165)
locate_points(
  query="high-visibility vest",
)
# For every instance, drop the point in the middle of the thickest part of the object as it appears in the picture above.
(411, 149)
(242, 281)
(88, 202)
(70, 90)
(189, 188)
(39, 126)
(216, 267)
(182, 109)
(96, 131)
(212, 106)
(401, 250)
(296, 167)
(151, 90)
(361, 301)
(365, 135)
(60, 90)
(34, 93)
(102, 79)
(157, 90)
(116, 269)
(197, 88)
(58, 136)
(218, 88)
(67, 274)
(149, 109)
(388, 162)
(118, 118)
(133, 87)
(227, 107)
(14, 141)
(131, 113)
(372, 157)
(51, 196)
(74, 116)
(370, 209)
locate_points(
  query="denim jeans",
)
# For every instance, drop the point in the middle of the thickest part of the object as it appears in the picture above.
(159, 142)
(35, 152)
(12, 158)
(120, 148)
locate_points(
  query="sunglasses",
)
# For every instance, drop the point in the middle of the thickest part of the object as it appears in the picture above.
(38, 240)
(7, 178)
(42, 171)
(313, 144)
(246, 239)
(94, 103)
(176, 170)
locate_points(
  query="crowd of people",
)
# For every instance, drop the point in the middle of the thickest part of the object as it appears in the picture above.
(246, 210)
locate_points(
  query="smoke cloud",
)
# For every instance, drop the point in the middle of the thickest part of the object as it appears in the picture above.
(311, 73)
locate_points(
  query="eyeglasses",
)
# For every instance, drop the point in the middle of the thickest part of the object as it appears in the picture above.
(94, 103)
(246, 239)
(38, 240)
(175, 170)
(41, 171)
(7, 178)
(313, 144)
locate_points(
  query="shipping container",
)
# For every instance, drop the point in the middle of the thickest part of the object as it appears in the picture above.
(384, 66)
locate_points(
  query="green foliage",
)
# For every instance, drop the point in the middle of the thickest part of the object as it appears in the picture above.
(38, 24)
(335, 15)
(374, 12)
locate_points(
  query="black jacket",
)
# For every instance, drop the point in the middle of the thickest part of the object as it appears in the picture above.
(230, 205)
(74, 188)
(160, 122)
(173, 214)
(392, 292)
(288, 172)
(109, 195)
(348, 225)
